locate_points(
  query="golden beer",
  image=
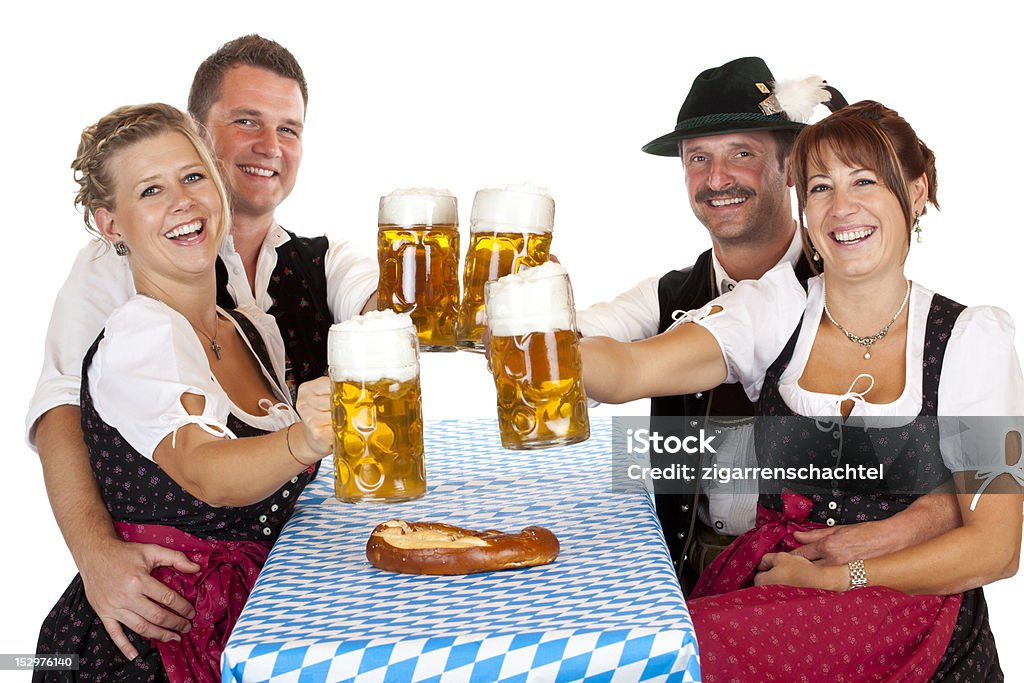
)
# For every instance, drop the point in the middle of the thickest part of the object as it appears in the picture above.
(419, 275)
(378, 441)
(492, 255)
(535, 359)
(510, 228)
(377, 416)
(541, 401)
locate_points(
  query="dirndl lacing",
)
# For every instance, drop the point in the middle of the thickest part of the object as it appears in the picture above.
(988, 475)
(207, 424)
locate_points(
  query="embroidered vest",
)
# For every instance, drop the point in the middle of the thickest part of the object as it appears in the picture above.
(298, 287)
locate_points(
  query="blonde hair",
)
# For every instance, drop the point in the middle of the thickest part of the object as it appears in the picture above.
(117, 131)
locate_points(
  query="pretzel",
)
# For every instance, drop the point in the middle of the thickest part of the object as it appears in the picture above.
(443, 549)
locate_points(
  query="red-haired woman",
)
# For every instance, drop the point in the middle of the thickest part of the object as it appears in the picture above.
(854, 367)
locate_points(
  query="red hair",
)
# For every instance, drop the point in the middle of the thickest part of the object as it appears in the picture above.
(872, 136)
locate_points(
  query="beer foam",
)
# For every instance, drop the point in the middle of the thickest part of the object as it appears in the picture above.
(418, 206)
(517, 208)
(532, 300)
(373, 346)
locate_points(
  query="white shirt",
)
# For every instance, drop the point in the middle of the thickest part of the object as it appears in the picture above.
(100, 281)
(351, 274)
(150, 356)
(725, 281)
(981, 373)
(635, 315)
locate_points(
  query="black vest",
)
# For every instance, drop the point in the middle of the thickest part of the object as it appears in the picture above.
(685, 290)
(298, 287)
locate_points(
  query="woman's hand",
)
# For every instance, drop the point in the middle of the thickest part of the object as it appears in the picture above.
(793, 570)
(314, 407)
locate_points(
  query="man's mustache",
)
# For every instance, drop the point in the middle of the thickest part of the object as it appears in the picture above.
(732, 193)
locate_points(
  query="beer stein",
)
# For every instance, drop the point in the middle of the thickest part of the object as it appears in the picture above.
(377, 414)
(418, 254)
(508, 229)
(535, 359)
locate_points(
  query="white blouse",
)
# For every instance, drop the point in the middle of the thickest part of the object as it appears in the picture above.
(150, 356)
(981, 374)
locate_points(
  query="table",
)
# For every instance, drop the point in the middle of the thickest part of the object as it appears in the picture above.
(609, 609)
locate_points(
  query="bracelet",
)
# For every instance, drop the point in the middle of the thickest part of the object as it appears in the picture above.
(288, 443)
(858, 577)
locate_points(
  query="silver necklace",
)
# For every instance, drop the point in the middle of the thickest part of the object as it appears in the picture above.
(871, 339)
(214, 346)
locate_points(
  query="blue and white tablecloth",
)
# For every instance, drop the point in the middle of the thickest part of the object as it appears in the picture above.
(609, 609)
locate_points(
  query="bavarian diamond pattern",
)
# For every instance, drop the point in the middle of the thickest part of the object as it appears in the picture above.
(609, 609)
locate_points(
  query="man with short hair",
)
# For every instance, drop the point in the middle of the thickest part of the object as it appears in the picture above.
(734, 136)
(251, 98)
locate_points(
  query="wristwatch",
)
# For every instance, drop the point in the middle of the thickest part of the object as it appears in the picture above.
(858, 577)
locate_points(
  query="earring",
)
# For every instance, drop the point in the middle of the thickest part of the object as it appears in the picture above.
(917, 227)
(120, 248)
(816, 256)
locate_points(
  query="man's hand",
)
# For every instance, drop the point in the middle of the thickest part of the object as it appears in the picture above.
(842, 544)
(927, 517)
(371, 303)
(121, 590)
(116, 574)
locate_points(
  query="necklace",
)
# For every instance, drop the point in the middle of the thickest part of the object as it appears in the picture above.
(871, 339)
(214, 346)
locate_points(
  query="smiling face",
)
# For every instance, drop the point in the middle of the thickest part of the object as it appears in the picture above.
(855, 221)
(737, 186)
(256, 128)
(166, 208)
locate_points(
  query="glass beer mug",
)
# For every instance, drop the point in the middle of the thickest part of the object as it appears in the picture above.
(535, 359)
(508, 229)
(418, 254)
(377, 413)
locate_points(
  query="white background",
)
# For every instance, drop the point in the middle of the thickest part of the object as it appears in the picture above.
(471, 94)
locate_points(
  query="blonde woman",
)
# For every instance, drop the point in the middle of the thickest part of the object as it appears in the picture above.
(168, 390)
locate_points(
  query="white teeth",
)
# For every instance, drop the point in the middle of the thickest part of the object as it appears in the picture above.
(727, 202)
(194, 226)
(255, 170)
(853, 235)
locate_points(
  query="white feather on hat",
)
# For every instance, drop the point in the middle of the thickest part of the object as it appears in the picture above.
(798, 97)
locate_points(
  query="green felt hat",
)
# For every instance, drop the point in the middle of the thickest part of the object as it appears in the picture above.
(737, 97)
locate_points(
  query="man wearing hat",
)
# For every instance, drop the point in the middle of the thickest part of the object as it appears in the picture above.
(734, 132)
